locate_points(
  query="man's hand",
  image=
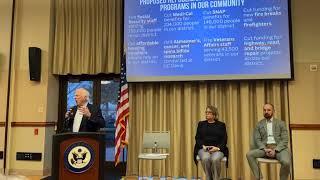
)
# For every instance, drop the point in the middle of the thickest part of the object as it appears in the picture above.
(271, 153)
(267, 150)
(85, 111)
(68, 114)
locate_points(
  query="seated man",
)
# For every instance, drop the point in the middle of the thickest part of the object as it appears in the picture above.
(271, 139)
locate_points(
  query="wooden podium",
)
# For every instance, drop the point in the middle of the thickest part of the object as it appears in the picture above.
(78, 156)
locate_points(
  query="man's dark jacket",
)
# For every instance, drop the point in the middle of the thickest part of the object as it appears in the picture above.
(92, 124)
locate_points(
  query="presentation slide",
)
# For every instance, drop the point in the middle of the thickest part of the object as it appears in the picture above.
(187, 40)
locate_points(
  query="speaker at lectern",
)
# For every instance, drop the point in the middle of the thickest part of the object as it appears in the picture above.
(78, 156)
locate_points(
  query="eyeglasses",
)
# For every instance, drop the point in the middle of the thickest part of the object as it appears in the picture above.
(208, 112)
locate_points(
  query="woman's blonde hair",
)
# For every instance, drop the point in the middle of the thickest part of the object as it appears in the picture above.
(214, 111)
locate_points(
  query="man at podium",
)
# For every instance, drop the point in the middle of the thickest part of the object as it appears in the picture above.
(84, 117)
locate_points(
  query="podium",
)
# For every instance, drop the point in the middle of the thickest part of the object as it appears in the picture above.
(78, 156)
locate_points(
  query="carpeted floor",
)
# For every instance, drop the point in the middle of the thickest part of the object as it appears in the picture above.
(154, 178)
(19, 177)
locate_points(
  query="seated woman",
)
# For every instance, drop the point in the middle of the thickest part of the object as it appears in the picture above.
(211, 140)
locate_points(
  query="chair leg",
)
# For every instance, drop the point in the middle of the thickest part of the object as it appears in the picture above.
(259, 169)
(226, 174)
(198, 171)
(226, 169)
(159, 170)
(138, 167)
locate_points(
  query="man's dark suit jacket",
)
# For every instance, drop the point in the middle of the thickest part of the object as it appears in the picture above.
(92, 124)
(201, 130)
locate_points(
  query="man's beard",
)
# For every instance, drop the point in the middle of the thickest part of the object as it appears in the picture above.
(267, 116)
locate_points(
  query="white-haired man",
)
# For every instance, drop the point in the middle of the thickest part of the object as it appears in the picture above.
(84, 117)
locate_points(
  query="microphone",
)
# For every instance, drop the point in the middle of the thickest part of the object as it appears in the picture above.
(69, 115)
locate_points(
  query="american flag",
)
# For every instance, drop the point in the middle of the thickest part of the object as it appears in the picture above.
(122, 128)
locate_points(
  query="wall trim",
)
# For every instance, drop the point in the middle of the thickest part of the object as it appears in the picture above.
(33, 124)
(304, 126)
(2, 124)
